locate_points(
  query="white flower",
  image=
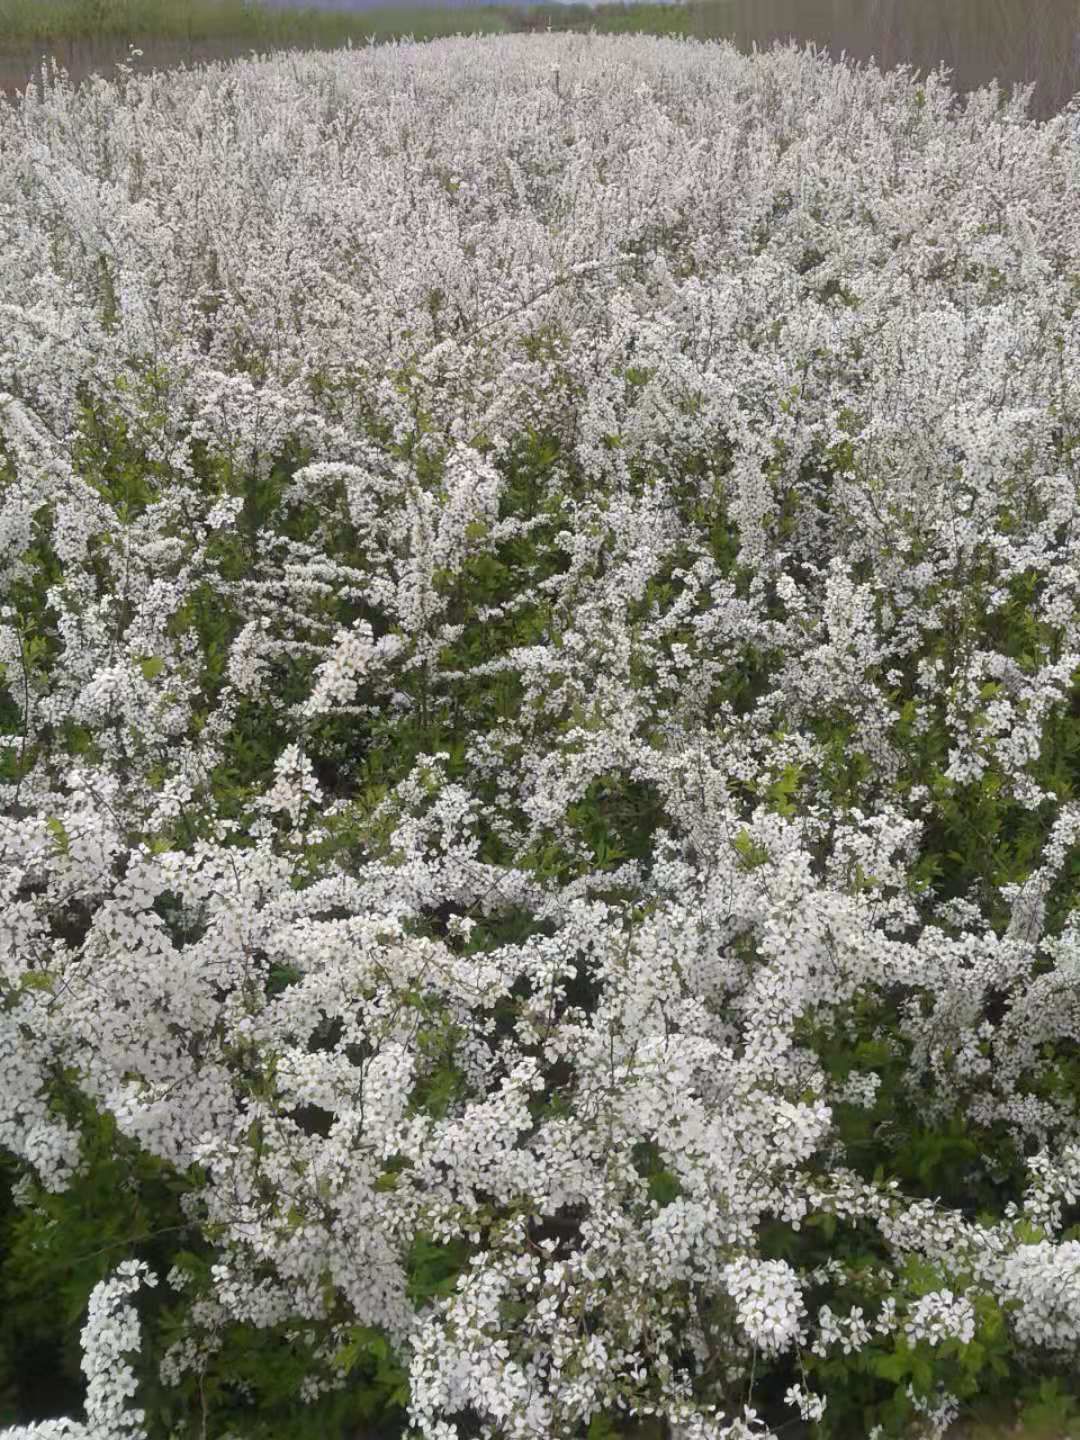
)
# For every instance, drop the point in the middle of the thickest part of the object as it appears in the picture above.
(941, 1316)
(769, 1301)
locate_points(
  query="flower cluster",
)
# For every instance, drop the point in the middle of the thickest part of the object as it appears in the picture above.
(939, 1316)
(1043, 1280)
(111, 1332)
(538, 680)
(768, 1302)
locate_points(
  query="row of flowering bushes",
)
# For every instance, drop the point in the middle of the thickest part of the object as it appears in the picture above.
(540, 708)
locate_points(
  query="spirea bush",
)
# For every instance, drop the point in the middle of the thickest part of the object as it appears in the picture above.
(540, 658)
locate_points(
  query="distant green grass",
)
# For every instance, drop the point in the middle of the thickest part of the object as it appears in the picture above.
(91, 35)
(649, 19)
(249, 22)
(209, 20)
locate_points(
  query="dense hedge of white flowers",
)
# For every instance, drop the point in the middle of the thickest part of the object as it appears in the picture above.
(700, 437)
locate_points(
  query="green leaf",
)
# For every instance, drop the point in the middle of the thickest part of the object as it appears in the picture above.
(56, 830)
(601, 1428)
(1027, 1233)
(151, 666)
(664, 1187)
(753, 854)
(36, 980)
(892, 1367)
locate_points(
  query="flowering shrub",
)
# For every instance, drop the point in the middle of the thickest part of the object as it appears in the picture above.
(540, 659)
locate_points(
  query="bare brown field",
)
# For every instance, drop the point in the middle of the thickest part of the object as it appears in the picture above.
(1015, 41)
